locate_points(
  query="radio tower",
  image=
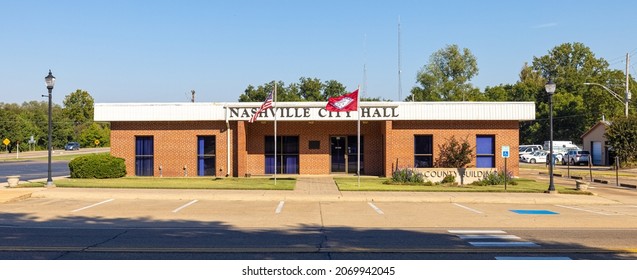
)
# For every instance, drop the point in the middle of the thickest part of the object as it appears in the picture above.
(400, 87)
(364, 91)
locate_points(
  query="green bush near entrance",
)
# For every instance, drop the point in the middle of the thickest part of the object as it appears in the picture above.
(97, 166)
(407, 176)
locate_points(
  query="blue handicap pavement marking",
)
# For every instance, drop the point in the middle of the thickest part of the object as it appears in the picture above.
(534, 212)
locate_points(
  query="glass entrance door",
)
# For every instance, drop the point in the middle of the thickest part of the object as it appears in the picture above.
(344, 151)
(337, 144)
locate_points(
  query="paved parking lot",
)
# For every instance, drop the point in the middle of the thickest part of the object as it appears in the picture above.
(273, 214)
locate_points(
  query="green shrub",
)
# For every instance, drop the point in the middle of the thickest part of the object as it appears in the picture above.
(495, 178)
(448, 179)
(97, 166)
(407, 175)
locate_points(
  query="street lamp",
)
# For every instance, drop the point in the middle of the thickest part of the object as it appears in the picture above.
(626, 96)
(550, 89)
(50, 82)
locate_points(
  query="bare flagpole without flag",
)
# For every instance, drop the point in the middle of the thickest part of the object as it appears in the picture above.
(358, 144)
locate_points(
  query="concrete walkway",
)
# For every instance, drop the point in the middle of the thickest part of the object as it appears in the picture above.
(323, 185)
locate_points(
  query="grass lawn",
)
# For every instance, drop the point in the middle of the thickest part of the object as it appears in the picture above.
(175, 183)
(376, 184)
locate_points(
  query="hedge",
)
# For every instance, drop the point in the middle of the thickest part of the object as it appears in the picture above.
(97, 166)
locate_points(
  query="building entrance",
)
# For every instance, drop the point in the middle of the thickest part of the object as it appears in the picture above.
(343, 154)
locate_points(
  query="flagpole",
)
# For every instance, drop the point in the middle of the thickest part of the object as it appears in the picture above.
(275, 167)
(358, 145)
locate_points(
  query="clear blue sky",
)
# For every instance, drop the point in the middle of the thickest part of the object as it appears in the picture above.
(157, 51)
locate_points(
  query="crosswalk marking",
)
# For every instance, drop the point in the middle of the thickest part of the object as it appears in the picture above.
(471, 231)
(488, 236)
(494, 235)
(506, 258)
(504, 244)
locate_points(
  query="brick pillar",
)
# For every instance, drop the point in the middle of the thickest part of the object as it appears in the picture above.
(388, 149)
(240, 151)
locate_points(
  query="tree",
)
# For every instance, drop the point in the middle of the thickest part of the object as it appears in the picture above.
(308, 89)
(622, 137)
(446, 77)
(498, 93)
(576, 106)
(311, 89)
(78, 106)
(63, 129)
(94, 132)
(332, 88)
(454, 154)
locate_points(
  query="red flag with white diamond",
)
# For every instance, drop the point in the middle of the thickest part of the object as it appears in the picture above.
(344, 103)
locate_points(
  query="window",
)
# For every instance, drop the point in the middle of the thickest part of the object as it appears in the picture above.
(206, 155)
(144, 156)
(314, 145)
(423, 151)
(485, 151)
(287, 153)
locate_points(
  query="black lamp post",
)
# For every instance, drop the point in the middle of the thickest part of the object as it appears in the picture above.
(50, 82)
(550, 89)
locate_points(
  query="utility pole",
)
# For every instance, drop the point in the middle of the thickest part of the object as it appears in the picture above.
(192, 99)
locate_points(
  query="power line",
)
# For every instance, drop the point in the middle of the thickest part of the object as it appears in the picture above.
(616, 60)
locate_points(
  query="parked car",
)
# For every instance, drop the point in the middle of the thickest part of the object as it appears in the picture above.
(539, 156)
(539, 147)
(72, 146)
(528, 150)
(576, 157)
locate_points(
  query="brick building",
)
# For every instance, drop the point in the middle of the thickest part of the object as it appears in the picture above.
(216, 139)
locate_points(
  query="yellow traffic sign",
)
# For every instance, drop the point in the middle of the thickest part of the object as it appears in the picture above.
(6, 142)
(97, 142)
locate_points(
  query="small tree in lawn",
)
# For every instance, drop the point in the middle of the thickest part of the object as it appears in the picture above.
(622, 136)
(454, 153)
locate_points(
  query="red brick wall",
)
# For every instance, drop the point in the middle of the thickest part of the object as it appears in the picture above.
(175, 145)
(400, 143)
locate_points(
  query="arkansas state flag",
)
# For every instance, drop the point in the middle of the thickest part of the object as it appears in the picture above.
(343, 103)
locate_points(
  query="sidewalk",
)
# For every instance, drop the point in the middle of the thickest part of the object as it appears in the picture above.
(324, 189)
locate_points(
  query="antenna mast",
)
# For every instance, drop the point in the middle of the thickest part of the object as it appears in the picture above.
(365, 67)
(400, 87)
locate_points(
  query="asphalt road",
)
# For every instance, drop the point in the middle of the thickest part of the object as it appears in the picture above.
(30, 170)
(306, 243)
